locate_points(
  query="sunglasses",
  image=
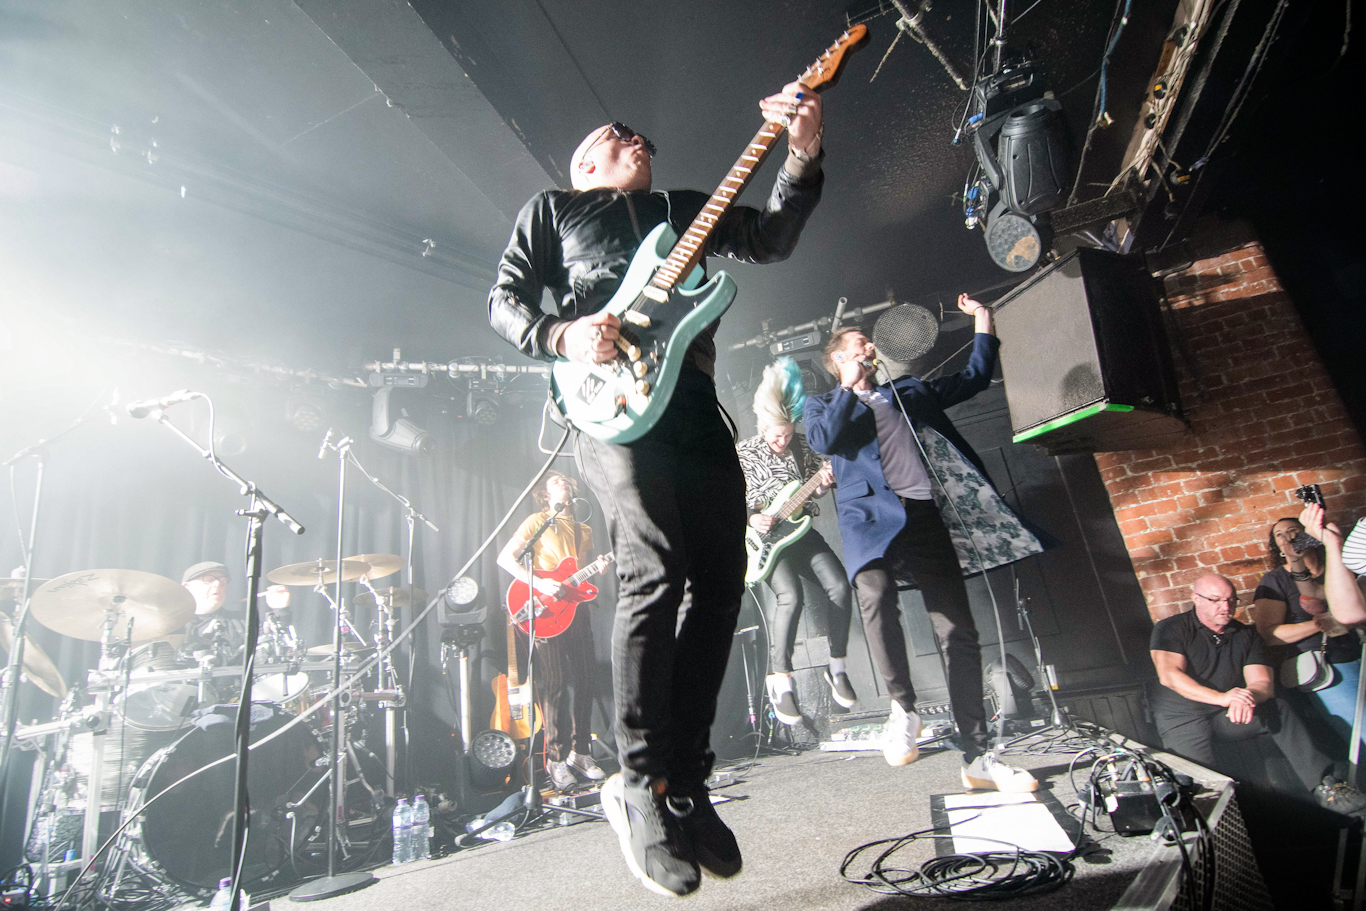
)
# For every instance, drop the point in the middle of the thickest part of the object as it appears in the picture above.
(623, 133)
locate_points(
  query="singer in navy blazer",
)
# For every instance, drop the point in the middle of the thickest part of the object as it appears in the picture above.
(839, 425)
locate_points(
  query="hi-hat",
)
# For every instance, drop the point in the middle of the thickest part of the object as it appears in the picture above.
(318, 572)
(13, 589)
(381, 565)
(38, 667)
(76, 604)
(392, 597)
(348, 648)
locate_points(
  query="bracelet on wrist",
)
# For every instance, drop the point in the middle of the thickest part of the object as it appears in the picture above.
(1302, 575)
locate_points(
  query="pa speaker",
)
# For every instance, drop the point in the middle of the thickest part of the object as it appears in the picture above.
(1086, 363)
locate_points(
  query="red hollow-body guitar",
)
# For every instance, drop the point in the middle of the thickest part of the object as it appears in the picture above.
(553, 615)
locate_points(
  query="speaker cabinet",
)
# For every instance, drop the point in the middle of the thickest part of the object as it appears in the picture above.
(1086, 363)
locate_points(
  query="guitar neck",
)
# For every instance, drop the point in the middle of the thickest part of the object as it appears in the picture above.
(514, 677)
(592, 569)
(688, 252)
(798, 499)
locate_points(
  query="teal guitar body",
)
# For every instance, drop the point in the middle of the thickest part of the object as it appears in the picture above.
(620, 400)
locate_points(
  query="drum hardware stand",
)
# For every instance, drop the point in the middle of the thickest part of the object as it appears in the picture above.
(460, 639)
(260, 507)
(335, 883)
(388, 673)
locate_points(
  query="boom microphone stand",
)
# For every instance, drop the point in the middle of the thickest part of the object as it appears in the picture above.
(261, 506)
(335, 883)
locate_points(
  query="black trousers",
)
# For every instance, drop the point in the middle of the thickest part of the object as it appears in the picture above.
(810, 557)
(924, 549)
(564, 684)
(675, 507)
(1193, 735)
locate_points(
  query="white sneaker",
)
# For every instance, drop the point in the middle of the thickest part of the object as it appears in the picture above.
(585, 766)
(784, 701)
(900, 733)
(560, 776)
(987, 773)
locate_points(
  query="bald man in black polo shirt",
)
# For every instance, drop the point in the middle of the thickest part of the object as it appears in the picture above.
(1217, 685)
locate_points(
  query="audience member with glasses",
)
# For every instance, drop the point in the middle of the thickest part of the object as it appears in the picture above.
(675, 498)
(1216, 684)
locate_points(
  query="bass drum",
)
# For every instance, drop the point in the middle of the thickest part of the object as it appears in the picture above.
(186, 836)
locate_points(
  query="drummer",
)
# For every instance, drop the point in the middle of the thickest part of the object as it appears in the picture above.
(211, 626)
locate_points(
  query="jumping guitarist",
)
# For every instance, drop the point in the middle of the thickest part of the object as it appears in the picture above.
(564, 663)
(774, 461)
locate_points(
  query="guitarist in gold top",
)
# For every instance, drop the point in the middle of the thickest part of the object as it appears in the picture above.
(781, 472)
(564, 664)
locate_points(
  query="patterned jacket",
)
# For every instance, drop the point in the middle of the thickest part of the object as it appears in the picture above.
(766, 472)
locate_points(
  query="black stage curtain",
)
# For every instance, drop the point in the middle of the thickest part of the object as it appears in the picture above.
(133, 496)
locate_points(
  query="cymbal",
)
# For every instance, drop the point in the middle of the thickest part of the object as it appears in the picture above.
(38, 667)
(13, 589)
(75, 604)
(348, 648)
(317, 572)
(395, 597)
(381, 565)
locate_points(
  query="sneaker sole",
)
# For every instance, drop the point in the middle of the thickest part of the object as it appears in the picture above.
(787, 719)
(614, 808)
(900, 760)
(839, 700)
(990, 784)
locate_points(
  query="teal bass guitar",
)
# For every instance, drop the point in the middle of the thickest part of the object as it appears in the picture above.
(663, 303)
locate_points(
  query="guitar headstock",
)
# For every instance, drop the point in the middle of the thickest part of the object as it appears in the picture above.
(825, 72)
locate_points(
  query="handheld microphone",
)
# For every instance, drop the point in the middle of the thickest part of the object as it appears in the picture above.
(147, 406)
(327, 441)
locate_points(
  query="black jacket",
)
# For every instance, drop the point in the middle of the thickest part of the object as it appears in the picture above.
(579, 244)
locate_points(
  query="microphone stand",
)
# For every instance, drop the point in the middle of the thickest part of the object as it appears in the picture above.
(260, 507)
(388, 673)
(335, 883)
(531, 794)
(9, 683)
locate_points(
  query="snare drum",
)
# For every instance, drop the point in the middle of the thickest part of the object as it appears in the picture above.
(151, 705)
(291, 691)
(186, 836)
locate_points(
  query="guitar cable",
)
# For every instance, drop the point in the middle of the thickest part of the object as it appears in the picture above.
(327, 697)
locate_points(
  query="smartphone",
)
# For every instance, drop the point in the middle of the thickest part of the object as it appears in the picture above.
(1310, 493)
(1304, 541)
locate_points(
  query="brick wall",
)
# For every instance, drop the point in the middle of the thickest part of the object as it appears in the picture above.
(1265, 420)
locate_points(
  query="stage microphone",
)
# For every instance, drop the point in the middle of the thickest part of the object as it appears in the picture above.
(147, 406)
(327, 441)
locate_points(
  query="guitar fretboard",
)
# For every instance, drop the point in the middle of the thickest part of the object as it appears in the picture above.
(798, 499)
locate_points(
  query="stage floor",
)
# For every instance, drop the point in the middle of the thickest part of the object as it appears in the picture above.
(795, 816)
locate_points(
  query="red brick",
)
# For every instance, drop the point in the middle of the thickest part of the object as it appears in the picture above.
(1148, 538)
(1133, 527)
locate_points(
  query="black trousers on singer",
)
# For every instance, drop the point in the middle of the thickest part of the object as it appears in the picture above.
(675, 507)
(923, 548)
(564, 685)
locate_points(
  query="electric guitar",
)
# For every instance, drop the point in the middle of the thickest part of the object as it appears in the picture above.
(662, 303)
(763, 550)
(554, 615)
(513, 713)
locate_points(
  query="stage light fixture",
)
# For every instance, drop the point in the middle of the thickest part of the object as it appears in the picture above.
(494, 753)
(1022, 159)
(400, 433)
(462, 591)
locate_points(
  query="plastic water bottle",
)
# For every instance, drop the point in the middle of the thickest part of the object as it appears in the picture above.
(222, 899)
(422, 829)
(403, 831)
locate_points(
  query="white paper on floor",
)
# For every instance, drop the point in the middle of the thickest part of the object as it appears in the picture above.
(1018, 819)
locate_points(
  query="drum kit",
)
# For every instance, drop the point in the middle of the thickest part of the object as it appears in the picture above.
(159, 705)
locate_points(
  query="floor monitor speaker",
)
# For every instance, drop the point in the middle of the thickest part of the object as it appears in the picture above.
(1086, 362)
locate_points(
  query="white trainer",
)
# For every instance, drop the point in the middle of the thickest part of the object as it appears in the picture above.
(987, 773)
(900, 733)
(585, 766)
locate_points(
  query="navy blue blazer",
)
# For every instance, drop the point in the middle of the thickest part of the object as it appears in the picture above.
(840, 426)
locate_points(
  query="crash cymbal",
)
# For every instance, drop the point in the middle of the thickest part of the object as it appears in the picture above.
(317, 572)
(13, 589)
(75, 604)
(348, 648)
(38, 667)
(381, 565)
(393, 597)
